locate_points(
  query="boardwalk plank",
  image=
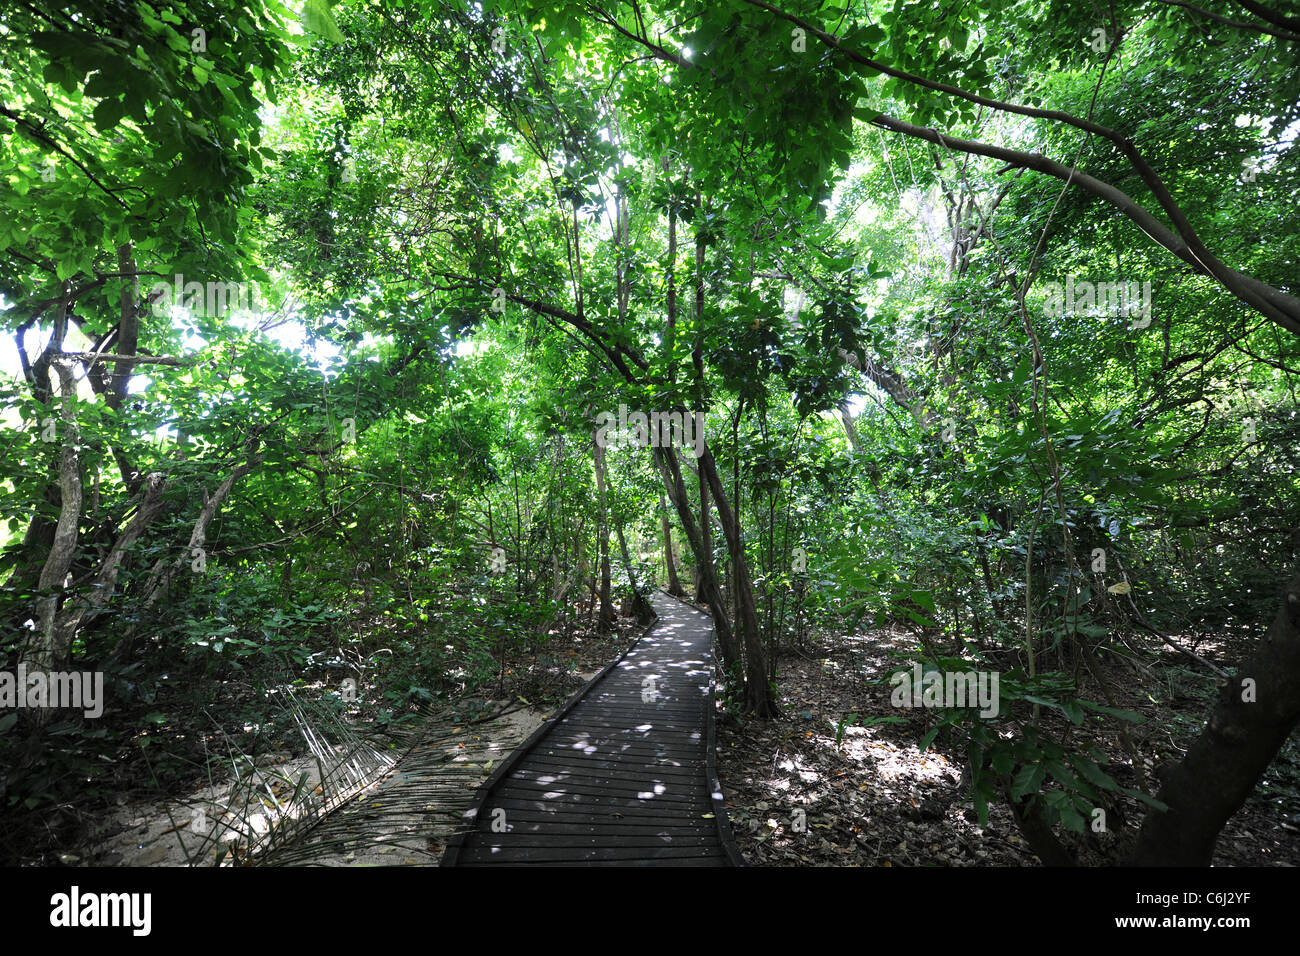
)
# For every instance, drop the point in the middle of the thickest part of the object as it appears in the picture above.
(546, 854)
(614, 802)
(555, 816)
(609, 770)
(612, 759)
(620, 829)
(601, 840)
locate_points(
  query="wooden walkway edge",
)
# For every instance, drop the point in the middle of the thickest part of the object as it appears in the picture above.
(624, 774)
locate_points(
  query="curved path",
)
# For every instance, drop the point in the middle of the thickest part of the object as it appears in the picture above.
(623, 774)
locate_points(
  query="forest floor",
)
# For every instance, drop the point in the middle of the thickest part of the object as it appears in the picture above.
(403, 815)
(796, 795)
(874, 799)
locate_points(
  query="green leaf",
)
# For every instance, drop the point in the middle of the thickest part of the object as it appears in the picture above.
(870, 35)
(1056, 799)
(1028, 780)
(1071, 819)
(1114, 712)
(1060, 773)
(316, 17)
(1149, 801)
(108, 114)
(1091, 772)
(1004, 761)
(1043, 701)
(981, 798)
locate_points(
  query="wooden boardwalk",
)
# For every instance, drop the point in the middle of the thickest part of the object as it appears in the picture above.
(623, 774)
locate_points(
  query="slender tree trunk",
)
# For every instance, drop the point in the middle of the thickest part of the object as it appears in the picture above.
(674, 583)
(710, 595)
(851, 433)
(706, 535)
(150, 507)
(641, 608)
(164, 572)
(606, 618)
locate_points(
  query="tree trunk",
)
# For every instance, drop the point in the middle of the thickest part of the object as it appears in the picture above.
(606, 618)
(851, 433)
(48, 649)
(164, 572)
(758, 691)
(708, 579)
(641, 608)
(674, 583)
(706, 537)
(1223, 765)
